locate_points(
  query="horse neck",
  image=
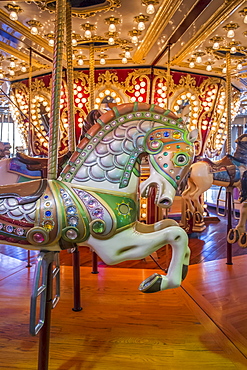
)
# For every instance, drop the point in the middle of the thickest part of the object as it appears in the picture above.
(109, 161)
(240, 153)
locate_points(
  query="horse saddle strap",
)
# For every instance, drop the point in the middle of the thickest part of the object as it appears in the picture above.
(224, 164)
(24, 192)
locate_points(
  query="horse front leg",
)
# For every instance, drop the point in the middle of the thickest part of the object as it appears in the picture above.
(238, 234)
(139, 241)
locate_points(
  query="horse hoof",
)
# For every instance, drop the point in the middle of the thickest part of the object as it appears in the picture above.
(198, 218)
(188, 215)
(152, 284)
(233, 236)
(243, 240)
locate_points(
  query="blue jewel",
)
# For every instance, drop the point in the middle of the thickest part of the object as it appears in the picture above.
(151, 138)
(46, 197)
(71, 210)
(166, 134)
(48, 213)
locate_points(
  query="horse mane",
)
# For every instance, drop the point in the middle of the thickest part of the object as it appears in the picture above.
(90, 120)
(109, 116)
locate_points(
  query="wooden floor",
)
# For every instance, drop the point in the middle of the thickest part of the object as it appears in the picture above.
(201, 325)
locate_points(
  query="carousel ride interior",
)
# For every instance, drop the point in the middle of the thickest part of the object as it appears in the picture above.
(115, 123)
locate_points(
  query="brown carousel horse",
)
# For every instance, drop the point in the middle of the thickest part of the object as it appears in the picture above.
(226, 172)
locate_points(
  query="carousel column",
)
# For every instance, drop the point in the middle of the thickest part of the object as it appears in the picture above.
(71, 140)
(44, 337)
(29, 127)
(229, 146)
(91, 105)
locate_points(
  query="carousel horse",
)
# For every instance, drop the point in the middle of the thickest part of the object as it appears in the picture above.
(239, 234)
(94, 201)
(226, 172)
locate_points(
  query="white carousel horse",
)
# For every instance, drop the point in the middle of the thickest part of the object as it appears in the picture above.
(203, 174)
(94, 201)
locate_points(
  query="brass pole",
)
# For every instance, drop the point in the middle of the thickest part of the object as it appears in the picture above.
(56, 89)
(228, 102)
(91, 76)
(70, 78)
(29, 103)
(168, 76)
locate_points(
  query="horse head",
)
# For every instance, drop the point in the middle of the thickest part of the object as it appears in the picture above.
(171, 154)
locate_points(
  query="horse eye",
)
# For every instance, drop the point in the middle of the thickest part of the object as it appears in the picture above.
(181, 158)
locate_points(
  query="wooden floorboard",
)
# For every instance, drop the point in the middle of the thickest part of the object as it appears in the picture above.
(198, 326)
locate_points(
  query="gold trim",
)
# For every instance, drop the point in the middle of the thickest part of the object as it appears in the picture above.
(166, 11)
(207, 29)
(18, 54)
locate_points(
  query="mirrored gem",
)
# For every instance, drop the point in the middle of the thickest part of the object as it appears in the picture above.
(98, 227)
(38, 237)
(155, 144)
(19, 231)
(92, 203)
(98, 212)
(73, 221)
(176, 135)
(9, 228)
(48, 225)
(71, 210)
(71, 234)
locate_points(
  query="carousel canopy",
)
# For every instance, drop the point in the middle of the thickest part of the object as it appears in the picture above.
(194, 35)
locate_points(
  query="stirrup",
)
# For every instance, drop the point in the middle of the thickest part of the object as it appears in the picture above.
(44, 260)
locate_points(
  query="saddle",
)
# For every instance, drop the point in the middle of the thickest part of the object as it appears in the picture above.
(24, 192)
(224, 164)
(40, 164)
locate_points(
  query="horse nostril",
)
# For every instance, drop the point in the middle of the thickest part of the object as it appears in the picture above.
(166, 201)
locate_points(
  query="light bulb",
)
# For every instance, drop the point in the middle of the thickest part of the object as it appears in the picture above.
(13, 15)
(12, 64)
(112, 27)
(198, 59)
(80, 62)
(23, 68)
(51, 42)
(111, 41)
(134, 39)
(245, 19)
(150, 9)
(124, 60)
(233, 49)
(224, 70)
(74, 42)
(192, 65)
(216, 45)
(141, 26)
(230, 34)
(88, 34)
(34, 31)
(127, 54)
(102, 61)
(209, 67)
(11, 72)
(239, 66)
(1, 75)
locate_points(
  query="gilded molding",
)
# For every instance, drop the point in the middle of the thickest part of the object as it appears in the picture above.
(18, 54)
(166, 11)
(207, 29)
(25, 31)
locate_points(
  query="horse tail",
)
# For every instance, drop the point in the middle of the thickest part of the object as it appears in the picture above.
(243, 188)
(183, 184)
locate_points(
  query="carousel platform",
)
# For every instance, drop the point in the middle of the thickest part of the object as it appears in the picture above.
(200, 325)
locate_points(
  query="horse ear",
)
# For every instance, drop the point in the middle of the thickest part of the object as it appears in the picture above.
(193, 135)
